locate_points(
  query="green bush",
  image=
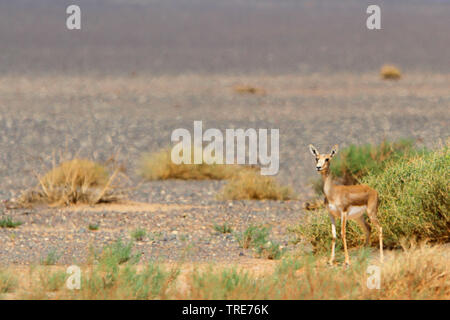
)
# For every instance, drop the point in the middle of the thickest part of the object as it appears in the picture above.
(414, 198)
(414, 204)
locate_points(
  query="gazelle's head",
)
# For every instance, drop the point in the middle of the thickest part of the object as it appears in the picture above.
(323, 160)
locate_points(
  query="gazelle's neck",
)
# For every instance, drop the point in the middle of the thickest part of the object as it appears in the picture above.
(327, 183)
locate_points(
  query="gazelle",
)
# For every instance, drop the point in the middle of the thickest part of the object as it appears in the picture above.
(347, 202)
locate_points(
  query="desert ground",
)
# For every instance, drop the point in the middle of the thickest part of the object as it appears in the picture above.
(97, 118)
(139, 70)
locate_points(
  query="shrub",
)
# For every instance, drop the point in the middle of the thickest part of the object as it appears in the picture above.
(414, 198)
(246, 89)
(414, 204)
(248, 185)
(355, 162)
(390, 72)
(74, 181)
(159, 166)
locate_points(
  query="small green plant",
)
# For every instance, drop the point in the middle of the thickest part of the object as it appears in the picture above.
(223, 228)
(94, 226)
(51, 258)
(270, 250)
(252, 236)
(119, 252)
(138, 234)
(53, 281)
(8, 222)
(256, 237)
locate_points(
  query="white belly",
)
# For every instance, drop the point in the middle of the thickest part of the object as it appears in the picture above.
(356, 211)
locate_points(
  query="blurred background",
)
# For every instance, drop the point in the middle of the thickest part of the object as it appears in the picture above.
(139, 69)
(213, 36)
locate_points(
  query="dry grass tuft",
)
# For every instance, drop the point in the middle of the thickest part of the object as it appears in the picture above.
(417, 272)
(159, 166)
(75, 181)
(250, 185)
(390, 72)
(246, 89)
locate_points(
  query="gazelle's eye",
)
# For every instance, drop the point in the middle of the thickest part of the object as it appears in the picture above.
(327, 159)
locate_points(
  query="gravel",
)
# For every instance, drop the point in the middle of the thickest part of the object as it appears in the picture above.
(98, 117)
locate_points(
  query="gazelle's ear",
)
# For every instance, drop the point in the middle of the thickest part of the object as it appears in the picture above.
(313, 150)
(334, 150)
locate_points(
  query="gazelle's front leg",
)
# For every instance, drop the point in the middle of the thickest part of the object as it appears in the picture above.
(344, 240)
(333, 239)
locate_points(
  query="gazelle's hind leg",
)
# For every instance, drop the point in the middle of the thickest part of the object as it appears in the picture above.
(333, 239)
(365, 228)
(372, 212)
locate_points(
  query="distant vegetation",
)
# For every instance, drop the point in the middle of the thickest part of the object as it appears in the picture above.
(250, 185)
(159, 166)
(245, 182)
(246, 89)
(94, 226)
(390, 72)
